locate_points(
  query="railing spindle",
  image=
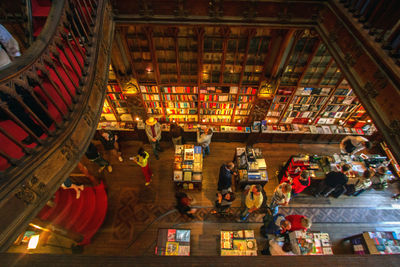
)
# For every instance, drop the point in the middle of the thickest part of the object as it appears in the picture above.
(27, 150)
(46, 74)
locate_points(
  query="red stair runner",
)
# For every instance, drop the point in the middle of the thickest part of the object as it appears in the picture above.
(84, 215)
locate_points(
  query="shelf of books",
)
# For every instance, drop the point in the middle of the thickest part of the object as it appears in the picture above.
(305, 105)
(180, 103)
(279, 102)
(340, 106)
(217, 104)
(245, 99)
(115, 106)
(152, 102)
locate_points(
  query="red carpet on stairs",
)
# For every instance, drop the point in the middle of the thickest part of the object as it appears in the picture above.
(56, 90)
(84, 215)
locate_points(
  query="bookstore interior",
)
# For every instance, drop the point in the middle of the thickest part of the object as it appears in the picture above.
(232, 86)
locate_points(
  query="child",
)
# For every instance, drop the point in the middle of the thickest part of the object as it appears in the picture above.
(142, 160)
(281, 197)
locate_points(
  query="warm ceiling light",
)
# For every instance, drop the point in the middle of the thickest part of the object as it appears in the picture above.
(239, 121)
(148, 69)
(269, 120)
(368, 121)
(204, 120)
(137, 118)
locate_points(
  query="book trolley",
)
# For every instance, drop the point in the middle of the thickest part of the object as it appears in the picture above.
(188, 167)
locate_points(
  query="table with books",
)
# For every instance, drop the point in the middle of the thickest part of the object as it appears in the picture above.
(307, 243)
(238, 243)
(251, 166)
(376, 243)
(188, 167)
(173, 242)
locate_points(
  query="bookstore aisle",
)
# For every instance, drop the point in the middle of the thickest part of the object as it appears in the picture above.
(136, 213)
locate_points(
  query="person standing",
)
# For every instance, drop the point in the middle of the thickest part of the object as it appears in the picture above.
(109, 141)
(204, 139)
(225, 176)
(354, 144)
(153, 132)
(252, 201)
(176, 132)
(93, 155)
(281, 197)
(142, 160)
(332, 180)
(300, 182)
(10, 45)
(298, 222)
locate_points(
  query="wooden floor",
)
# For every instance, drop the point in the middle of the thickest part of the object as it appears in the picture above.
(136, 212)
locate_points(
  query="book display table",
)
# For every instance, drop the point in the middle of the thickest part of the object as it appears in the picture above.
(251, 166)
(320, 165)
(188, 167)
(173, 242)
(238, 243)
(376, 243)
(304, 243)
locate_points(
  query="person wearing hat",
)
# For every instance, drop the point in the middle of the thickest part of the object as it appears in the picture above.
(153, 131)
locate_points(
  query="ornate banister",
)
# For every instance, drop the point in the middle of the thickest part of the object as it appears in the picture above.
(50, 101)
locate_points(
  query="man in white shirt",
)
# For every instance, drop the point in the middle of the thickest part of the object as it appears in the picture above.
(9, 48)
(354, 144)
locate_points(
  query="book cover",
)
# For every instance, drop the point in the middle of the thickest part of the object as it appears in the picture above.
(172, 248)
(187, 176)
(178, 175)
(182, 235)
(184, 250)
(171, 235)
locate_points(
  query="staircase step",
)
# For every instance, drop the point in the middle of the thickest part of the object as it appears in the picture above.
(62, 203)
(40, 8)
(87, 214)
(97, 219)
(47, 210)
(79, 207)
(68, 208)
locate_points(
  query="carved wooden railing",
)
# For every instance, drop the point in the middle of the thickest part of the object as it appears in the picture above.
(50, 101)
(381, 18)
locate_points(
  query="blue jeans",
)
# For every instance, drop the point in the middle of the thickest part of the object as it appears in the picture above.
(274, 207)
(206, 151)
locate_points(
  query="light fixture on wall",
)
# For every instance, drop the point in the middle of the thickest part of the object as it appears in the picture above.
(268, 88)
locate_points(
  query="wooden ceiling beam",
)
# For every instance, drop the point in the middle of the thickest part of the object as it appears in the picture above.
(310, 57)
(325, 71)
(173, 33)
(199, 31)
(251, 32)
(225, 32)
